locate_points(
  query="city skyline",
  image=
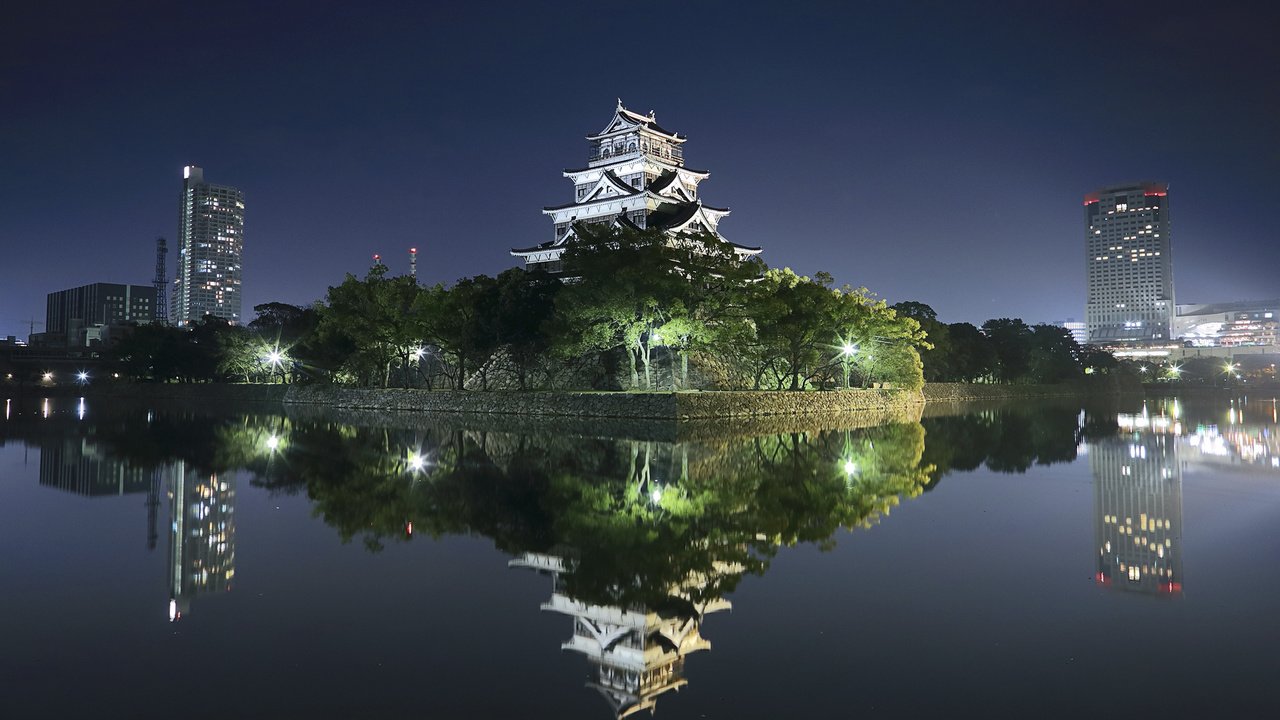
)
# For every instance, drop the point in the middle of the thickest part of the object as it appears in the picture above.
(885, 146)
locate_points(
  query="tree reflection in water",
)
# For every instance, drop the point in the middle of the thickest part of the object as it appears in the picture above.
(642, 539)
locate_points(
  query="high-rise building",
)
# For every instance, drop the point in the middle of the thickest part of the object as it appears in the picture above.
(635, 177)
(1128, 263)
(210, 251)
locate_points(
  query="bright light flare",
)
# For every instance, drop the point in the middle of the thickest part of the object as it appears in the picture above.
(417, 462)
(850, 467)
(848, 349)
(273, 442)
(82, 376)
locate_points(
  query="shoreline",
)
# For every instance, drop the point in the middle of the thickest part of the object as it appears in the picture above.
(661, 406)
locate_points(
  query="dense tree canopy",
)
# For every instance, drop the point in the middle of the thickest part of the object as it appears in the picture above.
(632, 309)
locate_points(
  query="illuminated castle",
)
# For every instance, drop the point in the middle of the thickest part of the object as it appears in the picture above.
(635, 178)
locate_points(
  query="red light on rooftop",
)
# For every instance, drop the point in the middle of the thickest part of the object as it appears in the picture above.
(1155, 194)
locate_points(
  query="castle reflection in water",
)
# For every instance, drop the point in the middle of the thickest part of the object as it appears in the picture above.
(642, 540)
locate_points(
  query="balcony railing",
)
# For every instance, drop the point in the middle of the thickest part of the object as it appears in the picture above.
(676, 155)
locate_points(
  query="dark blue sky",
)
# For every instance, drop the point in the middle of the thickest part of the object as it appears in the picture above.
(929, 151)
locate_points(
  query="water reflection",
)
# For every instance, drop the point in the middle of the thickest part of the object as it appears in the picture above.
(641, 540)
(202, 539)
(1138, 512)
(636, 653)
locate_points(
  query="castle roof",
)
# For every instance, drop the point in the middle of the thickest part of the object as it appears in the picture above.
(624, 119)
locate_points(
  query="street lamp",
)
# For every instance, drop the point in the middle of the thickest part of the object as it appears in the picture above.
(846, 353)
(275, 359)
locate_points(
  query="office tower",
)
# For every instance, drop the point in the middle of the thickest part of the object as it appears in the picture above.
(635, 178)
(1129, 266)
(210, 251)
(76, 317)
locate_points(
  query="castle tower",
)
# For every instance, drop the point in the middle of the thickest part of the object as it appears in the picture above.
(635, 177)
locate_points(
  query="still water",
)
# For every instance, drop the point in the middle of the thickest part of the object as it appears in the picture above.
(1039, 558)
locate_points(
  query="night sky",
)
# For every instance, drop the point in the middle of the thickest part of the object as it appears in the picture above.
(930, 151)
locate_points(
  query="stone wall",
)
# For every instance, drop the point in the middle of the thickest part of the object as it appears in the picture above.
(956, 392)
(684, 405)
(657, 405)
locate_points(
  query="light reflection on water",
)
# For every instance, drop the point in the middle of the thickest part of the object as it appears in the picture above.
(643, 540)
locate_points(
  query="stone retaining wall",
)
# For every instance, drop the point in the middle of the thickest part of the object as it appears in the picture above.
(682, 406)
(685, 405)
(956, 392)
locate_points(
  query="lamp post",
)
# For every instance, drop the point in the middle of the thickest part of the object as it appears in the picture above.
(846, 353)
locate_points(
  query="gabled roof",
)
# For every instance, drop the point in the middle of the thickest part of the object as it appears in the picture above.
(661, 182)
(606, 178)
(624, 119)
(619, 220)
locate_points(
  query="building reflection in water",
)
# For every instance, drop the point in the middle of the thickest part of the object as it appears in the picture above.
(636, 653)
(1138, 506)
(202, 549)
(77, 465)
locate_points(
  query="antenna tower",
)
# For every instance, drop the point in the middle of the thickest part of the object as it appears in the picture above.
(161, 283)
(413, 263)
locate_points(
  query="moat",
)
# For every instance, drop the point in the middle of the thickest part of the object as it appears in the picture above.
(1019, 557)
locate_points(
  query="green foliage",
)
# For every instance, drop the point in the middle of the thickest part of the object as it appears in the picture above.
(1004, 350)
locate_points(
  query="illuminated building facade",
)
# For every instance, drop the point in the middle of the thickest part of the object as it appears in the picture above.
(1234, 324)
(99, 304)
(1128, 265)
(210, 251)
(636, 654)
(78, 317)
(202, 540)
(1079, 331)
(1137, 494)
(635, 178)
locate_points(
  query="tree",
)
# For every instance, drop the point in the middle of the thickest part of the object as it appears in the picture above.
(375, 315)
(972, 356)
(1011, 340)
(525, 305)
(796, 326)
(938, 358)
(626, 284)
(1053, 355)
